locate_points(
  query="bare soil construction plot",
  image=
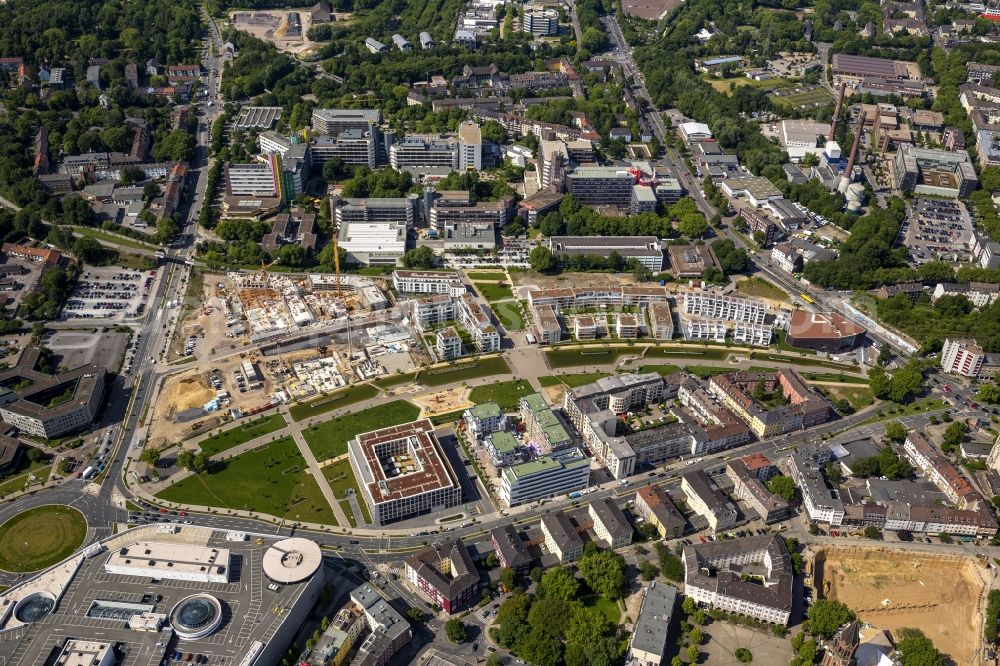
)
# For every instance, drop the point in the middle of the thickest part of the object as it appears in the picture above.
(275, 27)
(942, 595)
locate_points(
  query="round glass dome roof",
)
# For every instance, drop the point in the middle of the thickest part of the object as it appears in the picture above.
(34, 607)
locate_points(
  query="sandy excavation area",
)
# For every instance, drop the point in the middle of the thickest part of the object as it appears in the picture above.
(443, 402)
(940, 595)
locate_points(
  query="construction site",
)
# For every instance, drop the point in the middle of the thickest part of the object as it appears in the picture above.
(287, 29)
(942, 595)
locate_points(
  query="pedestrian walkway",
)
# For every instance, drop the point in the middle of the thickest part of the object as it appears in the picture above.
(317, 473)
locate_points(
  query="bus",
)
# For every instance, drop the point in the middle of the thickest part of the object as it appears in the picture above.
(806, 298)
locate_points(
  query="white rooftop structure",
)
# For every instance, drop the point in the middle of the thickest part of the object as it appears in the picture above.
(292, 560)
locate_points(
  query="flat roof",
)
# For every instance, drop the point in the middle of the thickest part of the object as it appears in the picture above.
(165, 556)
(431, 471)
(653, 623)
(292, 560)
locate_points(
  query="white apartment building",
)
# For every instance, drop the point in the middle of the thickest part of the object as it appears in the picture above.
(448, 344)
(979, 294)
(429, 312)
(476, 320)
(661, 321)
(428, 282)
(718, 306)
(821, 504)
(962, 356)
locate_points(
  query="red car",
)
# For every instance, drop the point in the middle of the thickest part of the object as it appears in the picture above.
(836, 533)
(163, 510)
(702, 539)
(946, 388)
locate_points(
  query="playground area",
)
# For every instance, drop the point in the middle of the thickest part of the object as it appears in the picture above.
(443, 402)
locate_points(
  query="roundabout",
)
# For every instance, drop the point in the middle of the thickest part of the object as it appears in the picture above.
(40, 537)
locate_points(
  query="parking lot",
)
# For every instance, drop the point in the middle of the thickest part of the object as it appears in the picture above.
(110, 293)
(938, 228)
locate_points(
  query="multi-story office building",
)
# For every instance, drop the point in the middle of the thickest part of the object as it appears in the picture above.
(450, 209)
(541, 22)
(564, 471)
(552, 164)
(353, 146)
(561, 537)
(604, 186)
(962, 356)
(403, 472)
(935, 172)
(374, 231)
(470, 146)
(254, 179)
(46, 405)
(417, 153)
(712, 577)
(610, 524)
(647, 250)
(335, 121)
(705, 499)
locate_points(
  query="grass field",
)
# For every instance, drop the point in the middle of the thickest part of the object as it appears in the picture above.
(394, 380)
(461, 372)
(509, 315)
(793, 360)
(808, 98)
(705, 371)
(15, 481)
(834, 377)
(126, 241)
(341, 478)
(723, 85)
(569, 357)
(40, 537)
(333, 401)
(760, 288)
(609, 609)
(894, 412)
(709, 353)
(271, 480)
(571, 380)
(492, 291)
(495, 276)
(506, 394)
(329, 439)
(661, 369)
(858, 396)
(235, 436)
